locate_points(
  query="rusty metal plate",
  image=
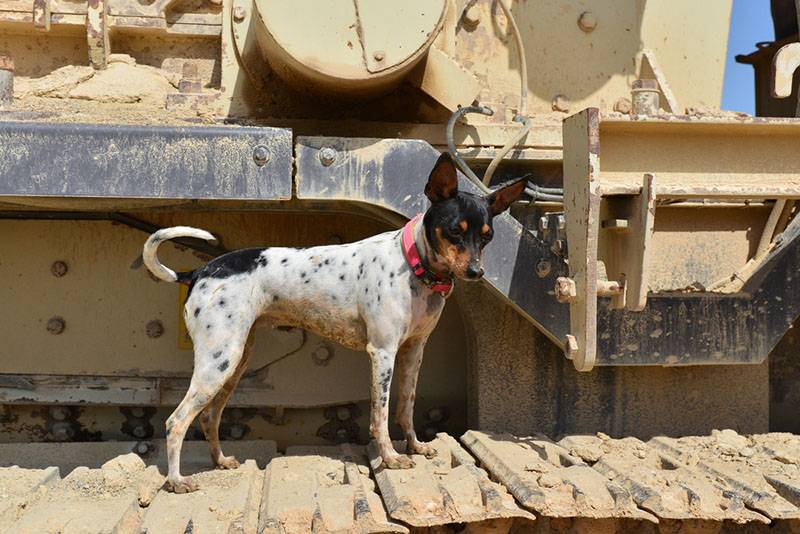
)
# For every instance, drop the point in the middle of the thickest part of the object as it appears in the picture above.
(154, 162)
(449, 488)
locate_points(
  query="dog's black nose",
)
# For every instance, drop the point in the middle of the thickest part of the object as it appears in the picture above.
(474, 272)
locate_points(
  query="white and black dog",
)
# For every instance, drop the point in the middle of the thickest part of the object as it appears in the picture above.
(383, 295)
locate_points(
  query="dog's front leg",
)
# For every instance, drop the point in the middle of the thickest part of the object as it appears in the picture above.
(409, 360)
(382, 360)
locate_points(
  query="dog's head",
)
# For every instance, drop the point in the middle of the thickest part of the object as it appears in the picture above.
(458, 225)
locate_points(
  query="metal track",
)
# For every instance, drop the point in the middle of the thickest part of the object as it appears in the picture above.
(493, 482)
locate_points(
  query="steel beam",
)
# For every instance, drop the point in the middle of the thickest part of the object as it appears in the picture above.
(154, 162)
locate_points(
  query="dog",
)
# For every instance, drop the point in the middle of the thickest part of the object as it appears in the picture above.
(383, 294)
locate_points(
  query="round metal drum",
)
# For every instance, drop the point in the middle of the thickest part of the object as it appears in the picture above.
(351, 48)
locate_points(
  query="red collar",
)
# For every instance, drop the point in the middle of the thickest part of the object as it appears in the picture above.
(437, 283)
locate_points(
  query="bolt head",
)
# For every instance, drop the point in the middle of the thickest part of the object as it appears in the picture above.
(343, 413)
(327, 156)
(544, 222)
(321, 355)
(472, 16)
(561, 222)
(139, 431)
(154, 329)
(379, 55)
(137, 411)
(342, 435)
(587, 22)
(56, 325)
(261, 155)
(141, 447)
(543, 268)
(239, 13)
(570, 346)
(59, 269)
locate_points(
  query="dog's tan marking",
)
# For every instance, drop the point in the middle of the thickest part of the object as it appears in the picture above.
(485, 229)
(457, 260)
(464, 225)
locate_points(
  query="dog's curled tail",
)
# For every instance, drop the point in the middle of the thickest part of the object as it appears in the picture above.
(151, 248)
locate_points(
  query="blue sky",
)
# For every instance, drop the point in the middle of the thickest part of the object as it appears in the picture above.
(751, 22)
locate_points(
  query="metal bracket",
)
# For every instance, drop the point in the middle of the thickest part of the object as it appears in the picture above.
(784, 65)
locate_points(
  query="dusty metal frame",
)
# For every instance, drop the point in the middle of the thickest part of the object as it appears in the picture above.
(144, 162)
(703, 327)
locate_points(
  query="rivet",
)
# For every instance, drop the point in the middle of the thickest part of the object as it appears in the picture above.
(59, 269)
(154, 328)
(261, 155)
(139, 431)
(343, 413)
(137, 411)
(58, 413)
(543, 268)
(327, 156)
(587, 21)
(321, 355)
(342, 434)
(379, 55)
(472, 16)
(561, 103)
(141, 447)
(236, 431)
(239, 13)
(56, 325)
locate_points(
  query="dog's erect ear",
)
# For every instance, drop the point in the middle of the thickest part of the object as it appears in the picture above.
(500, 199)
(443, 180)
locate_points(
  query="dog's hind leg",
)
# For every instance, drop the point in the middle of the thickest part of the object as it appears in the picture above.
(216, 361)
(409, 359)
(211, 415)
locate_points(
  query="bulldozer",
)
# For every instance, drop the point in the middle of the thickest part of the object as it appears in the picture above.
(629, 362)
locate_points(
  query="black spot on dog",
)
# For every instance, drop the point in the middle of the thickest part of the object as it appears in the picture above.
(391, 274)
(196, 312)
(385, 384)
(366, 290)
(221, 303)
(208, 327)
(217, 354)
(344, 263)
(307, 281)
(379, 283)
(432, 303)
(203, 285)
(223, 366)
(327, 262)
(341, 277)
(237, 262)
(230, 315)
(374, 259)
(284, 261)
(275, 298)
(353, 254)
(379, 298)
(262, 261)
(333, 297)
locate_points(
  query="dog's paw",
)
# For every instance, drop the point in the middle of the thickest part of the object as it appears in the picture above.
(398, 461)
(228, 462)
(183, 485)
(425, 449)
